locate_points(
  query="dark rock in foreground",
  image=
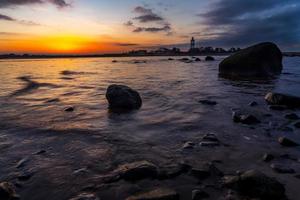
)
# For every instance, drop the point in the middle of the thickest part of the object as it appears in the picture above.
(287, 142)
(137, 170)
(283, 100)
(260, 60)
(121, 97)
(157, 194)
(7, 191)
(209, 58)
(256, 185)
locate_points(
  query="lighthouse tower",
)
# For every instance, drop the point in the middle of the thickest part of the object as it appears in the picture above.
(192, 43)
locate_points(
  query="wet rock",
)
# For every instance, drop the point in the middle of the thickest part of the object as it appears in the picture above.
(197, 59)
(297, 125)
(244, 119)
(199, 194)
(170, 59)
(7, 191)
(200, 173)
(172, 171)
(284, 141)
(260, 60)
(40, 152)
(188, 145)
(208, 102)
(69, 109)
(276, 107)
(292, 116)
(283, 100)
(253, 103)
(22, 162)
(85, 196)
(137, 170)
(267, 157)
(25, 176)
(209, 58)
(80, 171)
(255, 184)
(114, 61)
(282, 169)
(156, 194)
(210, 140)
(123, 97)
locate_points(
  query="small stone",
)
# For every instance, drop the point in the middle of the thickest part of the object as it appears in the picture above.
(287, 142)
(208, 102)
(268, 157)
(114, 61)
(188, 145)
(253, 103)
(199, 194)
(85, 196)
(40, 152)
(156, 194)
(297, 125)
(170, 59)
(292, 116)
(209, 58)
(22, 163)
(200, 173)
(25, 176)
(7, 191)
(282, 169)
(197, 59)
(244, 119)
(210, 137)
(69, 109)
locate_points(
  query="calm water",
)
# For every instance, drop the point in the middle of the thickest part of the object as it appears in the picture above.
(34, 94)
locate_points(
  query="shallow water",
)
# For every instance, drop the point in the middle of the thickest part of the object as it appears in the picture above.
(34, 94)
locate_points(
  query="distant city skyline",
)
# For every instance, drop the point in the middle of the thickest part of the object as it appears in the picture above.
(96, 27)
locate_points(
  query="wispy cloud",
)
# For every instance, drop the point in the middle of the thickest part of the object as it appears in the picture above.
(12, 3)
(23, 22)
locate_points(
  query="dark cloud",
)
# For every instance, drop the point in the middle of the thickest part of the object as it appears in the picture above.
(6, 18)
(165, 28)
(146, 15)
(235, 22)
(23, 22)
(9, 3)
(126, 44)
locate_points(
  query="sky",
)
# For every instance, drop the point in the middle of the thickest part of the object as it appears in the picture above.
(109, 26)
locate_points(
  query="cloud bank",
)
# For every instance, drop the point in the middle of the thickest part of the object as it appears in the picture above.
(12, 3)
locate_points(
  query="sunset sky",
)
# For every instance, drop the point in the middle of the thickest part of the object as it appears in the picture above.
(104, 26)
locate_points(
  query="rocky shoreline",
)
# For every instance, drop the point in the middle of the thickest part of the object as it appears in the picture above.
(72, 165)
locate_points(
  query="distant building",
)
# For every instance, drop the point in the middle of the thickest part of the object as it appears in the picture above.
(192, 43)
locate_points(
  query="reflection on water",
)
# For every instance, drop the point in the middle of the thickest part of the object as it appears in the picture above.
(34, 94)
(40, 89)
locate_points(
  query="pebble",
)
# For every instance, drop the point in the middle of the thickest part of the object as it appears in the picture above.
(268, 157)
(22, 162)
(253, 103)
(287, 142)
(69, 109)
(188, 145)
(282, 169)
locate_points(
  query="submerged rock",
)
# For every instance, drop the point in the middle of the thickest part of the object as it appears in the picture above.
(283, 100)
(260, 60)
(282, 169)
(7, 191)
(156, 194)
(137, 170)
(268, 157)
(255, 184)
(208, 102)
(69, 109)
(287, 142)
(292, 116)
(123, 97)
(244, 119)
(209, 58)
(85, 196)
(199, 195)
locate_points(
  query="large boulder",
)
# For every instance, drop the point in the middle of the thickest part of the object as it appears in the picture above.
(260, 60)
(7, 191)
(121, 97)
(282, 99)
(256, 185)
